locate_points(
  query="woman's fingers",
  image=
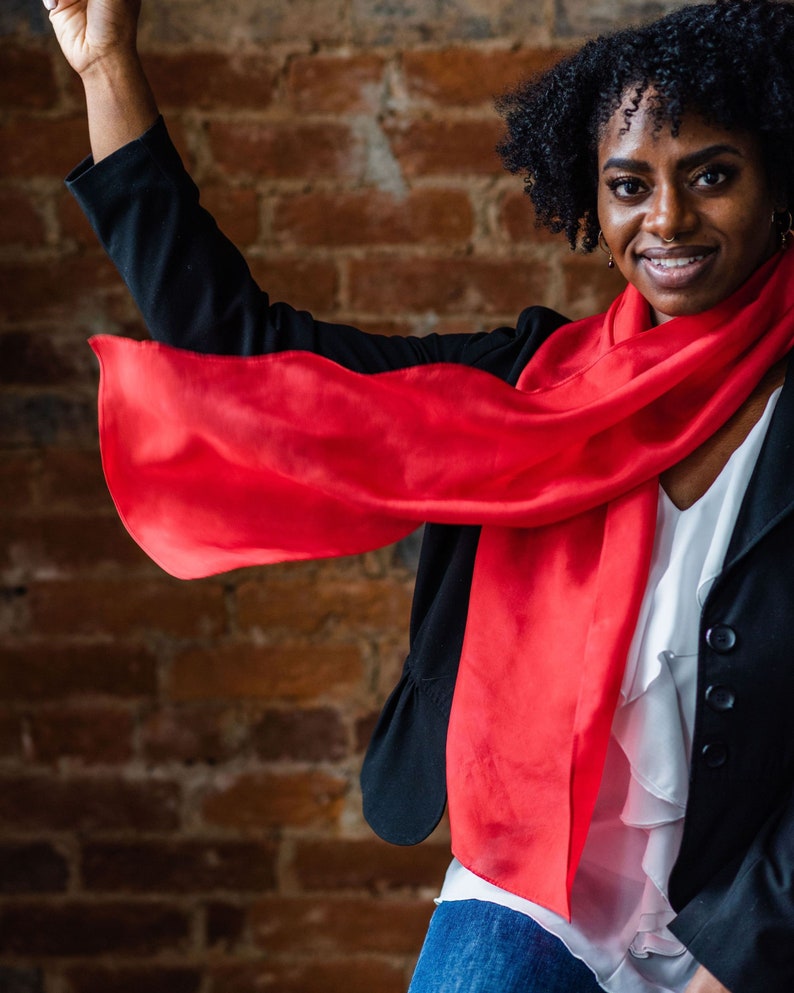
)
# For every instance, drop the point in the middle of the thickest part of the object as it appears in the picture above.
(94, 32)
(58, 5)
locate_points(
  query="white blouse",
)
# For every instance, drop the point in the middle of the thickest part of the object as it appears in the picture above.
(620, 910)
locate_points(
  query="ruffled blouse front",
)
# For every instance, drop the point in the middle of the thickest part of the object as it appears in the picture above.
(620, 906)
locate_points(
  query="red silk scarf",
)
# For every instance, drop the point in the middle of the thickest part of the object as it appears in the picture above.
(217, 462)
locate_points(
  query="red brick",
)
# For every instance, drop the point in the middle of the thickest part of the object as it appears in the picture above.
(434, 147)
(90, 735)
(313, 603)
(583, 18)
(48, 803)
(51, 546)
(17, 475)
(261, 800)
(22, 980)
(286, 672)
(41, 359)
(590, 287)
(72, 90)
(225, 925)
(339, 926)
(182, 866)
(26, 78)
(56, 672)
(130, 607)
(308, 284)
(333, 84)
(39, 146)
(382, 325)
(370, 218)
(364, 729)
(155, 979)
(467, 286)
(73, 223)
(404, 23)
(77, 928)
(391, 653)
(210, 79)
(271, 150)
(181, 131)
(470, 76)
(235, 210)
(46, 418)
(517, 221)
(317, 735)
(345, 975)
(245, 26)
(30, 292)
(22, 224)
(10, 736)
(370, 865)
(418, 325)
(14, 613)
(72, 479)
(32, 867)
(207, 734)
(452, 325)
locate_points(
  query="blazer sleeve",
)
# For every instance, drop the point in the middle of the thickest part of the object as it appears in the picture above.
(194, 288)
(741, 927)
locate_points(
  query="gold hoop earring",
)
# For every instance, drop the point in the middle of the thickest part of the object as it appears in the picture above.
(602, 244)
(782, 221)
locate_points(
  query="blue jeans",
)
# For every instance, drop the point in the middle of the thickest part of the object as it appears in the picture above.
(477, 947)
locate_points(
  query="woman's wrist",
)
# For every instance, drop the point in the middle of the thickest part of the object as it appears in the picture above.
(119, 100)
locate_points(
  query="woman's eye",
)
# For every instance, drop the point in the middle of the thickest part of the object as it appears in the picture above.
(626, 186)
(710, 177)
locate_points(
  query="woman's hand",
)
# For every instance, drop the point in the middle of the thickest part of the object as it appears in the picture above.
(704, 982)
(99, 40)
(90, 31)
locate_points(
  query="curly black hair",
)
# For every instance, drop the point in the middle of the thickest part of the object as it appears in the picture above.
(729, 61)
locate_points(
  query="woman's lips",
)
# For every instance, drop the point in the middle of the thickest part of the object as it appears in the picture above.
(678, 268)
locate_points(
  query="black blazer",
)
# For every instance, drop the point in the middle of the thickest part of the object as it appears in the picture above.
(732, 882)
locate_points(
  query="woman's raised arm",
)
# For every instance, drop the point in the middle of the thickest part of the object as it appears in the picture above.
(191, 284)
(98, 39)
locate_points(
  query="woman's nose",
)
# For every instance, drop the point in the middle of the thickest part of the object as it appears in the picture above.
(670, 213)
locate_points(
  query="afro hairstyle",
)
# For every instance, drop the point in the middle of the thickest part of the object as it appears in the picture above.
(729, 61)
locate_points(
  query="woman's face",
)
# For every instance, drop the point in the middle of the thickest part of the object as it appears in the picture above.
(687, 219)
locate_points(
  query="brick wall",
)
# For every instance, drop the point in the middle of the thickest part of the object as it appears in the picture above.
(179, 807)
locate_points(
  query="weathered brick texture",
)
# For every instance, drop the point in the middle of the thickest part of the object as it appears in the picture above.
(179, 806)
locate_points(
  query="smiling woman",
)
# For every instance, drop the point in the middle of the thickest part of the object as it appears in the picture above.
(599, 679)
(688, 217)
(725, 63)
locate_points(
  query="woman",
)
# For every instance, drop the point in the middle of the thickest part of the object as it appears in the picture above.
(618, 756)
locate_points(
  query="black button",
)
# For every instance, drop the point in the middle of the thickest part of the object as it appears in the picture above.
(721, 638)
(720, 698)
(715, 754)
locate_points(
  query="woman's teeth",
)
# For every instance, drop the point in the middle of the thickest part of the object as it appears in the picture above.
(676, 263)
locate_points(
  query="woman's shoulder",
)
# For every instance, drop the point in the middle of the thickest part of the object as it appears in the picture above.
(506, 350)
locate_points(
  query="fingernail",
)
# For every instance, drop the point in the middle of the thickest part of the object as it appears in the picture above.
(50, 4)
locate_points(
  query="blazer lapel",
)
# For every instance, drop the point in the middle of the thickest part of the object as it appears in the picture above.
(770, 493)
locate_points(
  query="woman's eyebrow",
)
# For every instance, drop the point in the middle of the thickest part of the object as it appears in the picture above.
(687, 162)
